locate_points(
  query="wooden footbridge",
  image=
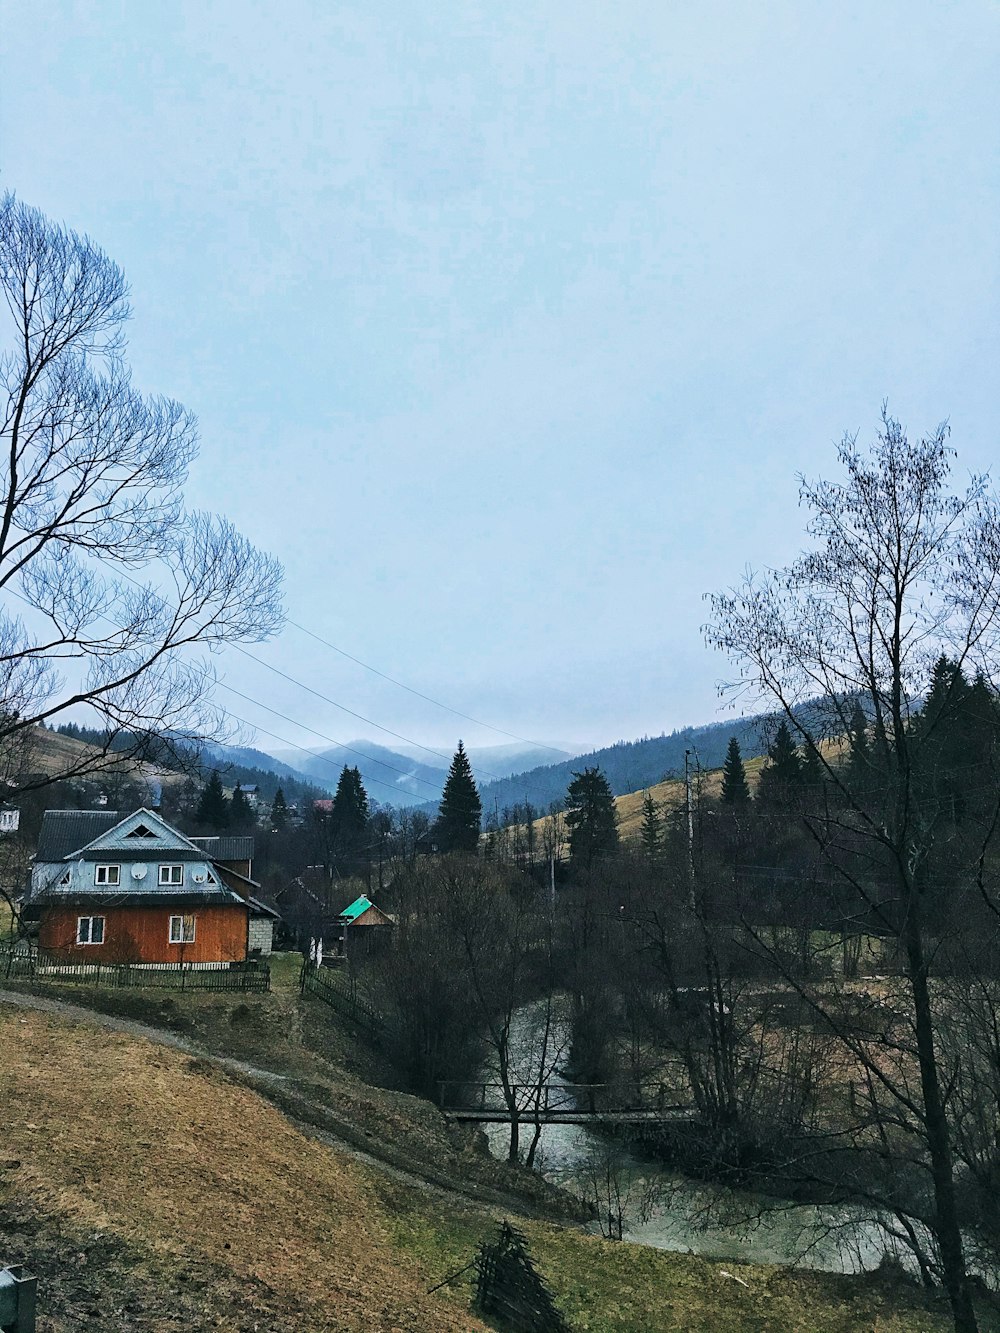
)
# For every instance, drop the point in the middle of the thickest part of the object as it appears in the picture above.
(556, 1104)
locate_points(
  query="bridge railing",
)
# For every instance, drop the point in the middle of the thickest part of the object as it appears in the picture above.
(548, 1098)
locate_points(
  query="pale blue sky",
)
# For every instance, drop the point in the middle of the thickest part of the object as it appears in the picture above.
(510, 326)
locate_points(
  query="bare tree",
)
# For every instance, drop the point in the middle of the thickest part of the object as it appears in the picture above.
(111, 586)
(900, 571)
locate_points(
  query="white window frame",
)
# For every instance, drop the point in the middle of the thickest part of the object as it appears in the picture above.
(178, 936)
(90, 929)
(167, 876)
(107, 879)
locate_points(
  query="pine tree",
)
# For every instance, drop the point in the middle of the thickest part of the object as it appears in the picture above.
(213, 808)
(781, 776)
(240, 810)
(349, 813)
(651, 833)
(279, 810)
(858, 747)
(735, 788)
(591, 817)
(461, 811)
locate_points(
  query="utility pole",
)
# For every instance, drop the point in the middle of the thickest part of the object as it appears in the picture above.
(689, 811)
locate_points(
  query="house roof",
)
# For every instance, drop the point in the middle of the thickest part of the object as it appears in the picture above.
(142, 834)
(359, 906)
(66, 831)
(226, 847)
(259, 908)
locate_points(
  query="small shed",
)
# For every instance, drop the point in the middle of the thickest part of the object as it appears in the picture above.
(364, 928)
(260, 939)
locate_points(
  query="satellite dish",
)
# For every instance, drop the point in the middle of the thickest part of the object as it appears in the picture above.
(138, 871)
(199, 874)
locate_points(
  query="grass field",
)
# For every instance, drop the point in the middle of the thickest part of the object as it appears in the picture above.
(197, 1195)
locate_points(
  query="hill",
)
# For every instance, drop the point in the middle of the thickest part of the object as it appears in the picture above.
(151, 1187)
(410, 776)
(629, 766)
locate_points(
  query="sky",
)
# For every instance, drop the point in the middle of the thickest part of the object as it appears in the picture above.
(509, 327)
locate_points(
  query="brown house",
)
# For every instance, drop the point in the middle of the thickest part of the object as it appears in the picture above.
(134, 889)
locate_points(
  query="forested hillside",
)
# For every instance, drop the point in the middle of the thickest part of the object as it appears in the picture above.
(628, 765)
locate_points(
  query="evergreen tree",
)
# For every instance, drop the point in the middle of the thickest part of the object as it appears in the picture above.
(735, 788)
(859, 757)
(460, 813)
(591, 817)
(279, 810)
(651, 833)
(781, 776)
(349, 813)
(240, 810)
(213, 808)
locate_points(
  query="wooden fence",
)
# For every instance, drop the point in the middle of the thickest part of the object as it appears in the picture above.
(320, 981)
(509, 1289)
(29, 965)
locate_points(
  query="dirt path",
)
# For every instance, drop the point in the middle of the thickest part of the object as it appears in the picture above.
(309, 1116)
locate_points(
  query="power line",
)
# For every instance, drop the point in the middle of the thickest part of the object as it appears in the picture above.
(275, 737)
(308, 688)
(257, 703)
(511, 735)
(350, 711)
(323, 737)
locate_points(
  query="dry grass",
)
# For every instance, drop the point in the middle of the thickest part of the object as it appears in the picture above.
(116, 1135)
(53, 755)
(159, 1159)
(610, 1287)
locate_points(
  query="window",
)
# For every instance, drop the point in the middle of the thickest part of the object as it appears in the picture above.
(182, 930)
(107, 874)
(171, 874)
(90, 929)
(141, 831)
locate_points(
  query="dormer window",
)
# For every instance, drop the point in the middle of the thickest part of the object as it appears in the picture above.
(108, 875)
(171, 874)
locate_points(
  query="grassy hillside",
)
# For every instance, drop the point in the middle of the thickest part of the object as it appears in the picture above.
(54, 755)
(152, 1189)
(668, 795)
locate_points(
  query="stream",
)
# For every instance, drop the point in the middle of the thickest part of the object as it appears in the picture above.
(670, 1211)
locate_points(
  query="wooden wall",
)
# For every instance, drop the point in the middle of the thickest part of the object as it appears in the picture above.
(142, 934)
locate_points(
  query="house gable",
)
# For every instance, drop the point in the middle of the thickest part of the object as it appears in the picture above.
(142, 835)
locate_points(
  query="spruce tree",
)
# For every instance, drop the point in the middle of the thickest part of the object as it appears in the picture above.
(460, 813)
(781, 776)
(858, 747)
(279, 810)
(591, 817)
(735, 788)
(213, 808)
(349, 813)
(240, 811)
(651, 833)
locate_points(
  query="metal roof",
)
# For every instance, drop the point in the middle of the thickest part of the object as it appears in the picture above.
(357, 908)
(259, 908)
(227, 847)
(66, 831)
(143, 834)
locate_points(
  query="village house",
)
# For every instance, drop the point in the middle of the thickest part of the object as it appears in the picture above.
(364, 928)
(107, 888)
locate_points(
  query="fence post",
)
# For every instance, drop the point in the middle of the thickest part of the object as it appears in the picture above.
(182, 976)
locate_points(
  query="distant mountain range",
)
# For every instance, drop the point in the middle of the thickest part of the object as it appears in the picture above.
(628, 765)
(408, 776)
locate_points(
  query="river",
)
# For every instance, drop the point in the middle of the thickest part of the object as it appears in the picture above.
(671, 1212)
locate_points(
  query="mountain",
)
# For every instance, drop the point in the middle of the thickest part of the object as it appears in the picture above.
(390, 776)
(245, 757)
(628, 765)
